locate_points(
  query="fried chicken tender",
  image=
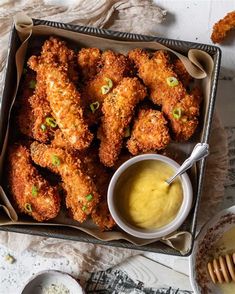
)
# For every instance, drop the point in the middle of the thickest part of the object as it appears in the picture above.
(154, 73)
(150, 132)
(180, 108)
(118, 110)
(88, 61)
(182, 73)
(25, 116)
(114, 67)
(64, 101)
(100, 214)
(81, 193)
(223, 27)
(183, 116)
(54, 51)
(32, 194)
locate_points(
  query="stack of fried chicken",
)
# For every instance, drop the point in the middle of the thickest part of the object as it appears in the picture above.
(81, 115)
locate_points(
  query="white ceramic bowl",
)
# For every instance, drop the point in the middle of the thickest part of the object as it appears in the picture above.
(153, 233)
(44, 279)
(204, 248)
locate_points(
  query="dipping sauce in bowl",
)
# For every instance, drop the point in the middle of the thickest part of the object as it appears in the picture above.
(142, 203)
(145, 199)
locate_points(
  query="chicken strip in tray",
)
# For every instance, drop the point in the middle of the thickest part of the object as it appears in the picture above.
(166, 90)
(100, 215)
(65, 103)
(54, 51)
(114, 67)
(32, 194)
(25, 116)
(182, 73)
(88, 62)
(150, 132)
(81, 193)
(118, 109)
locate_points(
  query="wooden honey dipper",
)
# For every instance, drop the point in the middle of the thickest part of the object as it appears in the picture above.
(222, 269)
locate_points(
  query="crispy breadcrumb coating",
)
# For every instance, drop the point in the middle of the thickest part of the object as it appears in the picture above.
(185, 125)
(81, 193)
(223, 27)
(118, 109)
(180, 108)
(25, 116)
(54, 51)
(182, 73)
(100, 214)
(88, 61)
(150, 132)
(154, 73)
(115, 67)
(64, 101)
(32, 194)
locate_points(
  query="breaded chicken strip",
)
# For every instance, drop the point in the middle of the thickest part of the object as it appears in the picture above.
(150, 132)
(64, 101)
(32, 194)
(56, 51)
(180, 108)
(223, 27)
(155, 72)
(88, 61)
(118, 109)
(183, 116)
(182, 73)
(82, 196)
(114, 67)
(53, 51)
(100, 214)
(25, 117)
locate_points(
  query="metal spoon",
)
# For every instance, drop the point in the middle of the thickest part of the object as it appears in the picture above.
(200, 151)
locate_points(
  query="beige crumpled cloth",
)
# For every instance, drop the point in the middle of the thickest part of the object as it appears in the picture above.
(138, 16)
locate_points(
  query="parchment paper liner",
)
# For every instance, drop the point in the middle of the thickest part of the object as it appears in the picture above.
(199, 64)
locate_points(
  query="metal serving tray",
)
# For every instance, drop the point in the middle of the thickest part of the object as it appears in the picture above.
(180, 46)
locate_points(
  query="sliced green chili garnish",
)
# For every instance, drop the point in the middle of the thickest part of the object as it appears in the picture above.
(109, 82)
(51, 122)
(34, 191)
(105, 89)
(55, 160)
(28, 207)
(94, 106)
(172, 81)
(43, 127)
(177, 112)
(89, 197)
(32, 84)
(84, 208)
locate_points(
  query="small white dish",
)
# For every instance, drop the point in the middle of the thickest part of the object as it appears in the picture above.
(204, 248)
(153, 233)
(45, 279)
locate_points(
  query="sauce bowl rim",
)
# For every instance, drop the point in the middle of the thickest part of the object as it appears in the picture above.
(154, 233)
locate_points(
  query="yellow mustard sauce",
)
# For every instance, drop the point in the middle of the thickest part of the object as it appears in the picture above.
(145, 199)
(227, 245)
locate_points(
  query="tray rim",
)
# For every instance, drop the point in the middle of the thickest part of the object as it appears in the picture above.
(124, 36)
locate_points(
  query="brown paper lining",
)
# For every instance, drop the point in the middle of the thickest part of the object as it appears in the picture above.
(199, 64)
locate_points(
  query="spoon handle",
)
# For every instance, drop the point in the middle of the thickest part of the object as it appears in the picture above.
(200, 151)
